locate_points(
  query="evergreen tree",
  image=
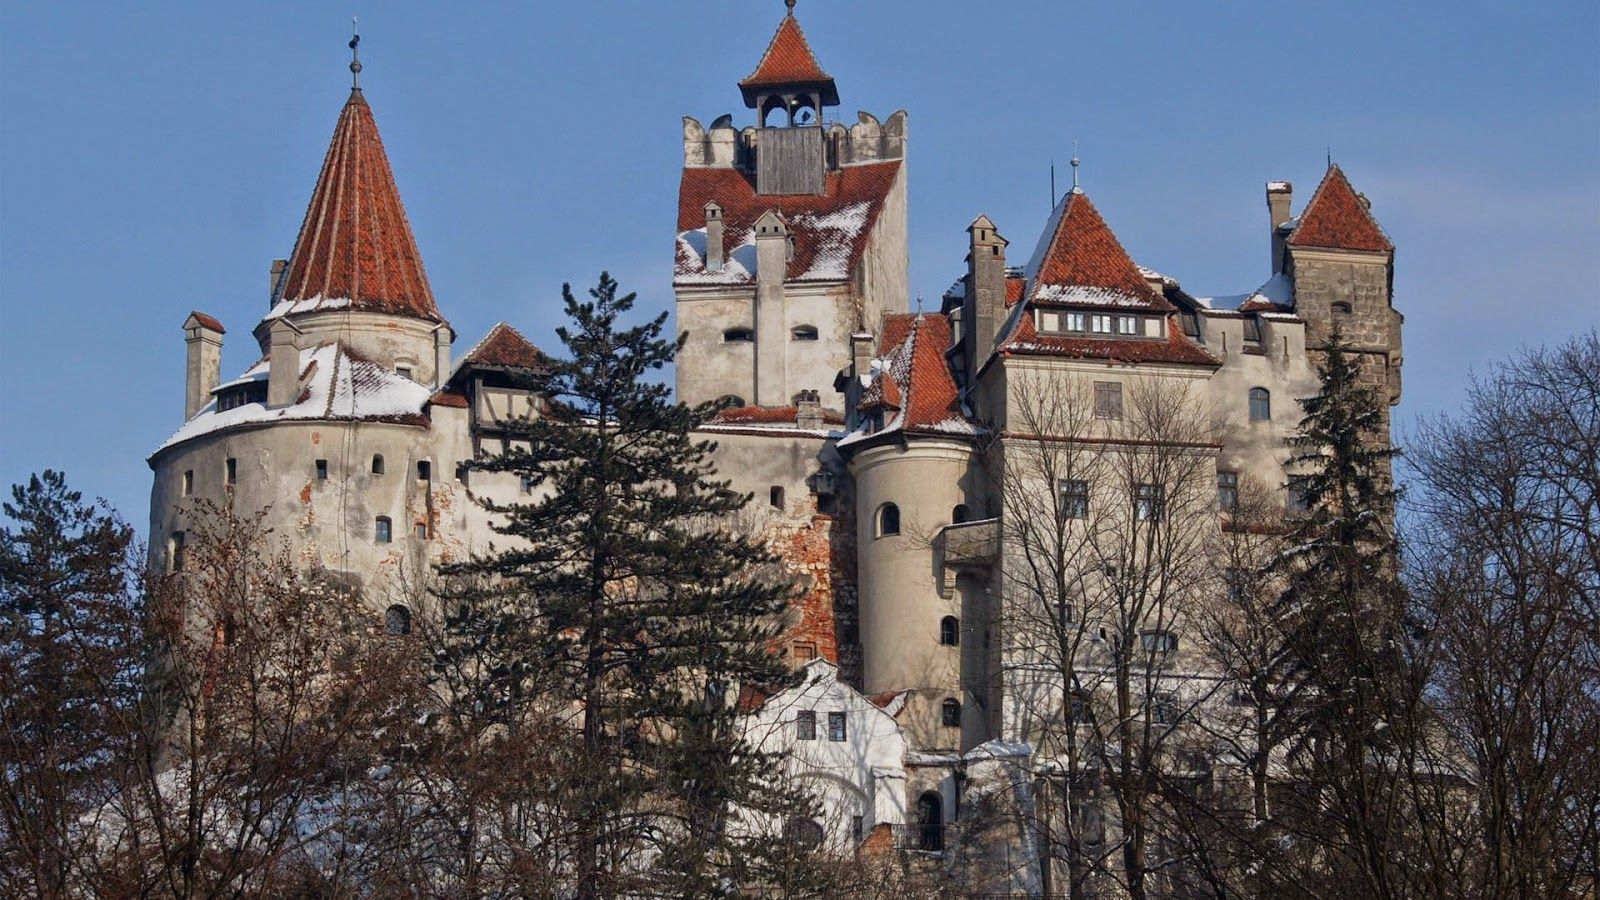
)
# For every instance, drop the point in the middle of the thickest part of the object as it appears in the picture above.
(1342, 613)
(70, 674)
(628, 608)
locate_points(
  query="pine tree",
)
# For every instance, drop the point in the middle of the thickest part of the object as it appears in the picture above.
(627, 608)
(1342, 613)
(67, 610)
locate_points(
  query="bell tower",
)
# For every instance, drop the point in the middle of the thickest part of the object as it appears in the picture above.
(788, 90)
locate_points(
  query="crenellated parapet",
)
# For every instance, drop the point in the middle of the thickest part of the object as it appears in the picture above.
(724, 146)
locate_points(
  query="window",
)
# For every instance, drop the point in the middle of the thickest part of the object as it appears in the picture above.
(930, 822)
(188, 482)
(1260, 405)
(805, 651)
(1074, 498)
(463, 471)
(950, 631)
(1149, 502)
(1237, 580)
(1299, 499)
(1078, 708)
(803, 832)
(1049, 320)
(1164, 709)
(1091, 824)
(1341, 307)
(1228, 491)
(397, 620)
(424, 470)
(175, 549)
(403, 371)
(377, 463)
(730, 401)
(422, 531)
(775, 496)
(383, 530)
(805, 725)
(1100, 324)
(322, 470)
(1127, 324)
(836, 726)
(1074, 321)
(1252, 329)
(888, 520)
(1107, 400)
(803, 333)
(1065, 614)
(1155, 641)
(858, 828)
(1190, 323)
(231, 472)
(739, 336)
(959, 514)
(950, 713)
(527, 484)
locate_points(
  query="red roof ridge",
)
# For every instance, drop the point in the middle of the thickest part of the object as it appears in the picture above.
(355, 242)
(788, 60)
(1079, 250)
(1337, 217)
(504, 347)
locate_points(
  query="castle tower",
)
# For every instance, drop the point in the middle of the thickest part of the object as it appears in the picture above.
(791, 236)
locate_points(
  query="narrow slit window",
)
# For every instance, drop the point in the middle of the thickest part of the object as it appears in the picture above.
(231, 472)
(188, 482)
(739, 336)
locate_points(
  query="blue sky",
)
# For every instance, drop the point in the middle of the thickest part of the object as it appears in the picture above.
(155, 157)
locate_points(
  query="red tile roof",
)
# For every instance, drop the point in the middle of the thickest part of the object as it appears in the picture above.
(448, 398)
(829, 230)
(768, 415)
(1080, 261)
(206, 321)
(505, 348)
(788, 61)
(1338, 217)
(917, 377)
(1176, 348)
(355, 242)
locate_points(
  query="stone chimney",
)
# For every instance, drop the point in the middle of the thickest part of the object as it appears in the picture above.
(279, 266)
(283, 364)
(808, 410)
(714, 240)
(1279, 195)
(984, 308)
(772, 266)
(202, 338)
(442, 336)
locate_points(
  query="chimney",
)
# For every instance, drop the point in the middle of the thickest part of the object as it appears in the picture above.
(442, 336)
(808, 410)
(714, 240)
(283, 364)
(279, 266)
(772, 266)
(202, 338)
(984, 307)
(1279, 193)
(860, 364)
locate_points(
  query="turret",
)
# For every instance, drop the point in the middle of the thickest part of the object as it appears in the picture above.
(984, 308)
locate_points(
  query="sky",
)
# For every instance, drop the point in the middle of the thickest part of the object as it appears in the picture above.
(155, 157)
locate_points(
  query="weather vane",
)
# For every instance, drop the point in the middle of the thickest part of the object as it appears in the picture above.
(355, 53)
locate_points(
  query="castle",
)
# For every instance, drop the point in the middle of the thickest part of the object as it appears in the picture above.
(878, 443)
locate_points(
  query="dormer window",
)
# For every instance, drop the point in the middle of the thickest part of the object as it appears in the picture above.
(1190, 323)
(1252, 329)
(739, 336)
(1127, 325)
(1048, 320)
(1100, 324)
(1073, 321)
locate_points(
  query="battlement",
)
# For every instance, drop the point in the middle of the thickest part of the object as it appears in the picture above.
(724, 146)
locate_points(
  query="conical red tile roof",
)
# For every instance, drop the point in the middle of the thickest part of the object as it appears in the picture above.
(1337, 217)
(1079, 260)
(789, 61)
(355, 244)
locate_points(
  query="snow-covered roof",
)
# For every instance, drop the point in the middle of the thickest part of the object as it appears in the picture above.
(1275, 294)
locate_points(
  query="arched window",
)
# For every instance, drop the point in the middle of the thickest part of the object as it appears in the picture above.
(397, 620)
(730, 401)
(950, 631)
(930, 822)
(775, 496)
(959, 514)
(803, 332)
(803, 832)
(383, 530)
(377, 463)
(888, 520)
(1260, 404)
(739, 335)
(950, 713)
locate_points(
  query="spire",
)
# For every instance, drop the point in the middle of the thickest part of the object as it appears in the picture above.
(355, 54)
(788, 66)
(1337, 217)
(355, 243)
(1079, 260)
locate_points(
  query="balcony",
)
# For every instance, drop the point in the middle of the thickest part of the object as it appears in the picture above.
(970, 543)
(926, 838)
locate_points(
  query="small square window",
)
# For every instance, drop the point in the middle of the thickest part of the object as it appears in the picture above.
(805, 652)
(1107, 400)
(1074, 498)
(322, 470)
(836, 726)
(805, 725)
(422, 531)
(403, 371)
(1228, 491)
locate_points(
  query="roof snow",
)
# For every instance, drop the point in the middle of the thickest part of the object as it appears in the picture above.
(1276, 291)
